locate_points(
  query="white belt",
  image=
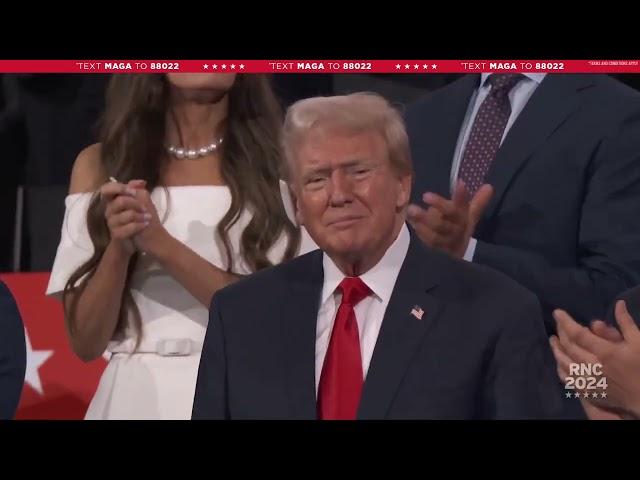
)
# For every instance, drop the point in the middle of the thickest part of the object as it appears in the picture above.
(168, 347)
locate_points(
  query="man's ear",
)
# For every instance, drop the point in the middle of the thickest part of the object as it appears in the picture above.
(404, 190)
(289, 201)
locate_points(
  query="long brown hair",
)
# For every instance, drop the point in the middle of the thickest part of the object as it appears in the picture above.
(132, 136)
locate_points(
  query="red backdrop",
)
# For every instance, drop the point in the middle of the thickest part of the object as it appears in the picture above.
(57, 384)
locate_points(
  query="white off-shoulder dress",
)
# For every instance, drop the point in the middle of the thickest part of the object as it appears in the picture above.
(158, 380)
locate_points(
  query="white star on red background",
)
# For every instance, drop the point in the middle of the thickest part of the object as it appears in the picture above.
(35, 359)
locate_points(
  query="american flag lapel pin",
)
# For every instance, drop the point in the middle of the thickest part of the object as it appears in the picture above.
(417, 312)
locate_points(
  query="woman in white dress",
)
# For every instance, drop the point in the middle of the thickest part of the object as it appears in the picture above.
(181, 198)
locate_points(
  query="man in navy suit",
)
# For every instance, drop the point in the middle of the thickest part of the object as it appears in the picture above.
(13, 355)
(373, 324)
(561, 154)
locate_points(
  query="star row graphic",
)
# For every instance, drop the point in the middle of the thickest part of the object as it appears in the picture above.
(585, 395)
(224, 66)
(241, 66)
(425, 66)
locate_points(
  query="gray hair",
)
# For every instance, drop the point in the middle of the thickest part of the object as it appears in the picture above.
(356, 113)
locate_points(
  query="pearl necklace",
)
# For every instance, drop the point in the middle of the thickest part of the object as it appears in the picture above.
(191, 154)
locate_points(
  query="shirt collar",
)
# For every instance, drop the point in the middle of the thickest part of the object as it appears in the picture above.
(380, 279)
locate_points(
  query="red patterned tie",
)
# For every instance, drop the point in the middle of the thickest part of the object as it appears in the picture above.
(341, 378)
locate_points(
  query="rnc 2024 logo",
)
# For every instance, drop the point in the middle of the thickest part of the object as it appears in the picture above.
(586, 380)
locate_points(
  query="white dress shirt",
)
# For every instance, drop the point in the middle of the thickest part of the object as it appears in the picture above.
(518, 97)
(381, 280)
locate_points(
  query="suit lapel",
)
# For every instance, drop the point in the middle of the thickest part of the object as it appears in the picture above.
(401, 332)
(299, 318)
(555, 99)
(445, 136)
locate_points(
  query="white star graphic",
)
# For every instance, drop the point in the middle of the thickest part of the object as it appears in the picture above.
(434, 66)
(594, 395)
(576, 395)
(233, 66)
(415, 67)
(224, 67)
(397, 66)
(406, 66)
(242, 66)
(205, 66)
(603, 395)
(214, 66)
(425, 66)
(35, 359)
(568, 395)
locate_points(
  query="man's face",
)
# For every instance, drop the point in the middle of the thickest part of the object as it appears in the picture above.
(349, 198)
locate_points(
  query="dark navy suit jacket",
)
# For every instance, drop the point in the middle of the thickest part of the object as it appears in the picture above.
(13, 356)
(479, 352)
(564, 219)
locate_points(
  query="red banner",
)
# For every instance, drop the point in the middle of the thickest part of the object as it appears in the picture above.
(403, 66)
(57, 384)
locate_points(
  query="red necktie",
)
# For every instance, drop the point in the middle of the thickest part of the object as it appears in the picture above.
(341, 378)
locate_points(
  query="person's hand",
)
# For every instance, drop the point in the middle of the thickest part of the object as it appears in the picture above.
(619, 354)
(449, 224)
(152, 238)
(596, 412)
(593, 411)
(124, 213)
(605, 331)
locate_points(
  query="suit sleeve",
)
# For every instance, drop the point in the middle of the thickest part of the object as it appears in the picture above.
(210, 401)
(13, 356)
(522, 382)
(608, 239)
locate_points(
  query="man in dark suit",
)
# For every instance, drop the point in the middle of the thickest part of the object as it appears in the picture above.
(13, 355)
(374, 324)
(561, 154)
